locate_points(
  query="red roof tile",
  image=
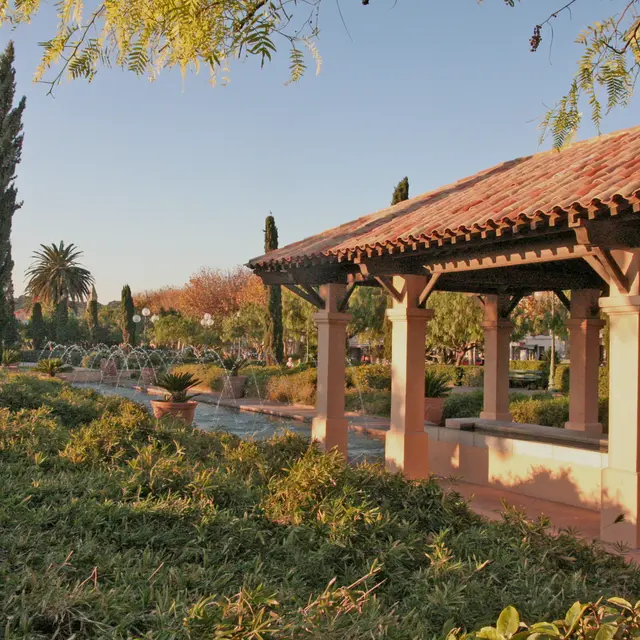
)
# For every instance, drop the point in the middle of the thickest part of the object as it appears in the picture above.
(585, 174)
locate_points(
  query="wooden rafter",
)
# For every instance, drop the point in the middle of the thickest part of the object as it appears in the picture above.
(307, 293)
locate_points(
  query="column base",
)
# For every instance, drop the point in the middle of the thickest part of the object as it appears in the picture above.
(590, 428)
(497, 417)
(331, 433)
(407, 453)
(620, 497)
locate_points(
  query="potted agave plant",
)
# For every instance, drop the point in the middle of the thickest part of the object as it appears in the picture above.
(51, 367)
(436, 389)
(177, 402)
(234, 383)
(10, 358)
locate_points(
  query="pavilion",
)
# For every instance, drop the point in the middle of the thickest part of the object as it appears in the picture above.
(554, 221)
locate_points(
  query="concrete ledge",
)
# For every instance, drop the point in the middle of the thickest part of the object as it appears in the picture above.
(530, 432)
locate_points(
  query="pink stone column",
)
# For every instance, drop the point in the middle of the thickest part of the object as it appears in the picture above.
(621, 479)
(330, 427)
(407, 443)
(497, 336)
(584, 345)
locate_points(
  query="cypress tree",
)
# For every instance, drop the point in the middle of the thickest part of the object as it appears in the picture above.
(400, 193)
(62, 321)
(10, 151)
(128, 311)
(92, 315)
(273, 342)
(37, 329)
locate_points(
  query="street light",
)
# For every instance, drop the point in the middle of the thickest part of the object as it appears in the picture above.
(146, 312)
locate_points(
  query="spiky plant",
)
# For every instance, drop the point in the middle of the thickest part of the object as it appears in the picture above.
(9, 357)
(436, 385)
(50, 366)
(177, 385)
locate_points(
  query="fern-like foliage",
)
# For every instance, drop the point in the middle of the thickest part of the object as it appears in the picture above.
(606, 75)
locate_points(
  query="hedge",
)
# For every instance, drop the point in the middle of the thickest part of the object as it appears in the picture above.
(297, 388)
(562, 380)
(528, 365)
(550, 412)
(210, 375)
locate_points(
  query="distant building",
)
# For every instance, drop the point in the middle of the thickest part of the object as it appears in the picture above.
(533, 348)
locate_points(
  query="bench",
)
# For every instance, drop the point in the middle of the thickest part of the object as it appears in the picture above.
(527, 378)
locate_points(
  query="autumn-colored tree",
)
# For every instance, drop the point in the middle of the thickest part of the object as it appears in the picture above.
(214, 291)
(156, 299)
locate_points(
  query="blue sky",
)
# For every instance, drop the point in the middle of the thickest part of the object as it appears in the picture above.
(154, 180)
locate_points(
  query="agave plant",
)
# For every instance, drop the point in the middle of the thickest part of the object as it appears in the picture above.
(233, 365)
(176, 385)
(9, 357)
(436, 385)
(50, 366)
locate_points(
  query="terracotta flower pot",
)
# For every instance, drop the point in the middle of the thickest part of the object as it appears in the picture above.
(183, 410)
(234, 387)
(434, 410)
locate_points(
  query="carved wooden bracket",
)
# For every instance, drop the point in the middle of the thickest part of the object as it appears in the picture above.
(566, 303)
(428, 290)
(505, 312)
(344, 303)
(308, 293)
(386, 282)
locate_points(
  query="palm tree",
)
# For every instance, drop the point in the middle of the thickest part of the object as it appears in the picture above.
(55, 275)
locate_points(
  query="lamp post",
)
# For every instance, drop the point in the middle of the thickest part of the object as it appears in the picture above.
(552, 363)
(146, 312)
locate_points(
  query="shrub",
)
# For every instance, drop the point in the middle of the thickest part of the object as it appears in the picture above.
(29, 355)
(436, 384)
(370, 377)
(51, 366)
(258, 377)
(552, 412)
(528, 365)
(603, 382)
(9, 357)
(297, 388)
(218, 537)
(370, 403)
(607, 618)
(561, 378)
(463, 405)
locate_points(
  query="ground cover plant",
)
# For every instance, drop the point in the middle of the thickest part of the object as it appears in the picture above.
(115, 526)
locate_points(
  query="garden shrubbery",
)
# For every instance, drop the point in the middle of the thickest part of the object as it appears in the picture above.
(294, 388)
(116, 526)
(212, 376)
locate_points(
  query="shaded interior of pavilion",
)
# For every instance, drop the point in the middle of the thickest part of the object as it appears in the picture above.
(582, 238)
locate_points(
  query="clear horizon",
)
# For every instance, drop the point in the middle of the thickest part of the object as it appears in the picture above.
(155, 180)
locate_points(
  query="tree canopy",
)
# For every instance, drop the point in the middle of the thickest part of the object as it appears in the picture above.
(145, 36)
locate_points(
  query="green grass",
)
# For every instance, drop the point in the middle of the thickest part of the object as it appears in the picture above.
(115, 526)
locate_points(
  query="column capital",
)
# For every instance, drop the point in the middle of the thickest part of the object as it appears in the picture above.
(619, 305)
(404, 314)
(578, 323)
(331, 317)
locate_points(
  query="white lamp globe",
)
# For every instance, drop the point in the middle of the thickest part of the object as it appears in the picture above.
(155, 318)
(207, 316)
(146, 312)
(136, 318)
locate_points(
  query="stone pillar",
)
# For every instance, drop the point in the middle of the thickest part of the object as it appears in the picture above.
(621, 479)
(407, 443)
(584, 348)
(329, 427)
(497, 336)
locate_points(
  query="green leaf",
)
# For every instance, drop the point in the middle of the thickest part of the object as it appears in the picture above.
(508, 622)
(606, 632)
(547, 628)
(621, 602)
(573, 615)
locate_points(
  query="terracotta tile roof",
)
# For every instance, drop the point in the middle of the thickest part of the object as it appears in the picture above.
(596, 175)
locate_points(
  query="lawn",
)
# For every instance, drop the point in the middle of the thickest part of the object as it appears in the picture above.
(114, 526)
